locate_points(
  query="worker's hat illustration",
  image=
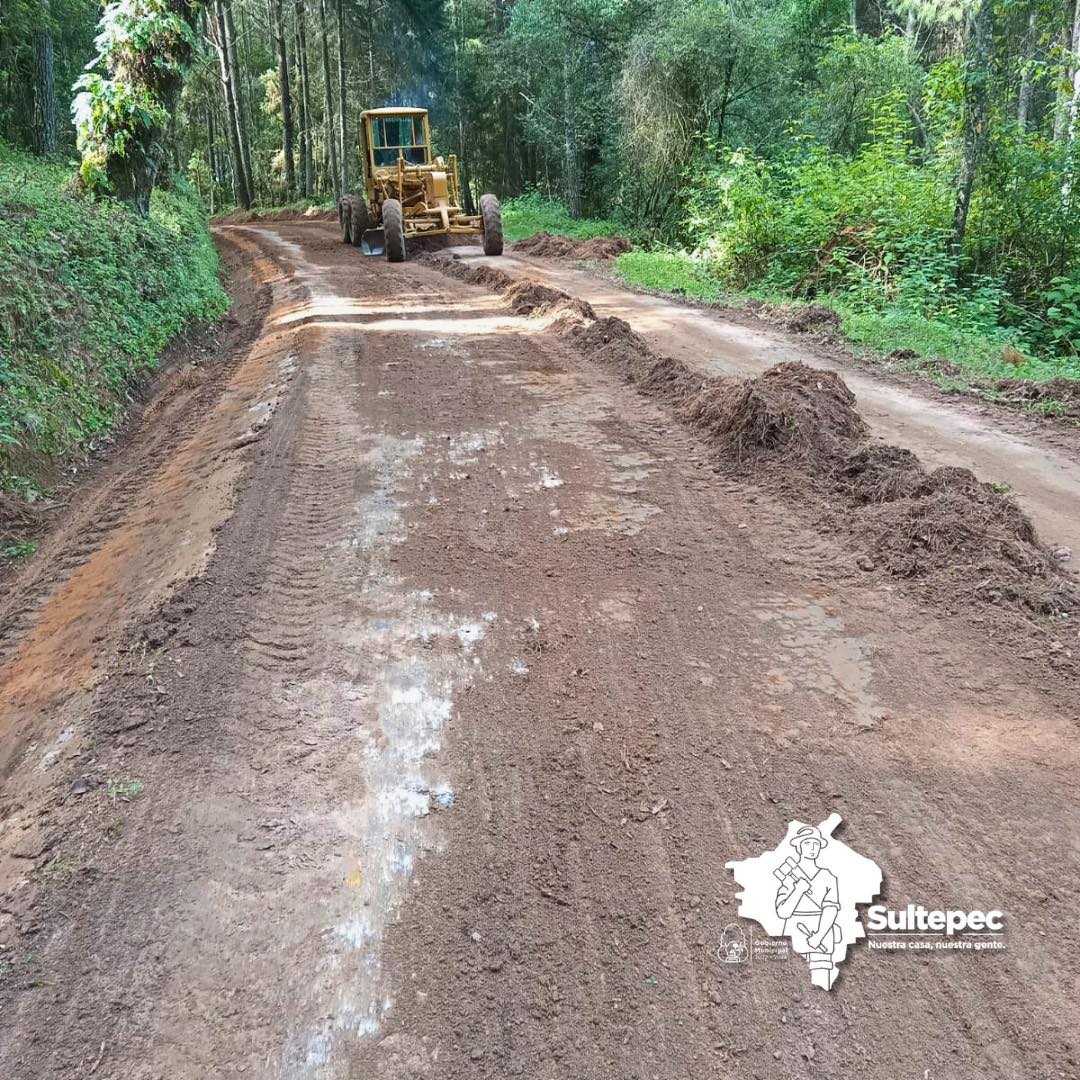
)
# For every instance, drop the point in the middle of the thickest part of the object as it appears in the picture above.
(808, 832)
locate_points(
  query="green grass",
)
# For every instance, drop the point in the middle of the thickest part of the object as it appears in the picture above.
(18, 549)
(92, 294)
(667, 271)
(529, 214)
(123, 789)
(977, 355)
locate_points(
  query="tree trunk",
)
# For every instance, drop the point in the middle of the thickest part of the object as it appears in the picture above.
(331, 140)
(980, 40)
(1061, 109)
(305, 99)
(343, 126)
(467, 201)
(1074, 79)
(241, 189)
(573, 189)
(288, 132)
(371, 103)
(44, 114)
(211, 157)
(1027, 84)
(911, 30)
(245, 89)
(228, 30)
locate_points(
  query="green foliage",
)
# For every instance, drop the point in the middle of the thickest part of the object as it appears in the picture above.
(123, 789)
(668, 271)
(122, 105)
(1063, 311)
(855, 74)
(18, 549)
(532, 213)
(92, 294)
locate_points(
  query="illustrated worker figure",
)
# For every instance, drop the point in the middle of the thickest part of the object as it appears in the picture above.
(808, 901)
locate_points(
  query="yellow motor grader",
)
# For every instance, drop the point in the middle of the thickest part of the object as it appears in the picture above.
(408, 193)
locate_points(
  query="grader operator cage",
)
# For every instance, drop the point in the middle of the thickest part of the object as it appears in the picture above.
(408, 193)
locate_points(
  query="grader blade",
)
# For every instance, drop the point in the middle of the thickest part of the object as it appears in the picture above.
(373, 242)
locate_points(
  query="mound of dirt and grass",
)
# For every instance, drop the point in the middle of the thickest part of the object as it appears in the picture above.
(1057, 396)
(549, 246)
(796, 430)
(300, 211)
(92, 294)
(791, 412)
(483, 274)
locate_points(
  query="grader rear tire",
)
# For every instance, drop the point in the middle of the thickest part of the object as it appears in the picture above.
(345, 218)
(394, 229)
(358, 219)
(491, 216)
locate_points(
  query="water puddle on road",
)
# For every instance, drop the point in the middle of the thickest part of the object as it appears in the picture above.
(821, 657)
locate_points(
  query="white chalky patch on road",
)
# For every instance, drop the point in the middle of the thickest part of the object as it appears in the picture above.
(422, 657)
(466, 447)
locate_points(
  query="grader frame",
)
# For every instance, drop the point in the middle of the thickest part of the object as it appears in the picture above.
(408, 192)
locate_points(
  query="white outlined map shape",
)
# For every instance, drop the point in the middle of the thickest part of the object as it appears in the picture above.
(858, 879)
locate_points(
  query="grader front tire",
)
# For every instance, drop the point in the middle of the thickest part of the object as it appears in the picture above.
(491, 216)
(345, 218)
(393, 220)
(358, 219)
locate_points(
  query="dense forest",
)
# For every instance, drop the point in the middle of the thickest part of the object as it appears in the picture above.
(917, 158)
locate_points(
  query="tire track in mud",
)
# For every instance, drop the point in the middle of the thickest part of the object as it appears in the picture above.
(343, 520)
(143, 526)
(444, 750)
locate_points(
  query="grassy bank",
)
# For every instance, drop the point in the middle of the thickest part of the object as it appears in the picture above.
(530, 214)
(92, 294)
(954, 356)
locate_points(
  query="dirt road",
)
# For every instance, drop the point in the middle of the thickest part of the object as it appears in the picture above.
(1043, 470)
(391, 705)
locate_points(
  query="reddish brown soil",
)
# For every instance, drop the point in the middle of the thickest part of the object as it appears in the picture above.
(466, 568)
(598, 248)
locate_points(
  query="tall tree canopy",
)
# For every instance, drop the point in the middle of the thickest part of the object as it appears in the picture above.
(815, 141)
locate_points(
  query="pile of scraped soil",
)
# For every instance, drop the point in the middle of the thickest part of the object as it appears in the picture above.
(814, 319)
(242, 217)
(974, 542)
(523, 295)
(611, 341)
(527, 297)
(1065, 392)
(796, 430)
(548, 246)
(790, 412)
(485, 275)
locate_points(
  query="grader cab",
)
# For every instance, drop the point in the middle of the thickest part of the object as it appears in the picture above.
(409, 192)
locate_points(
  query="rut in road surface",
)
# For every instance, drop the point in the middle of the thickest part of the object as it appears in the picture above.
(445, 742)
